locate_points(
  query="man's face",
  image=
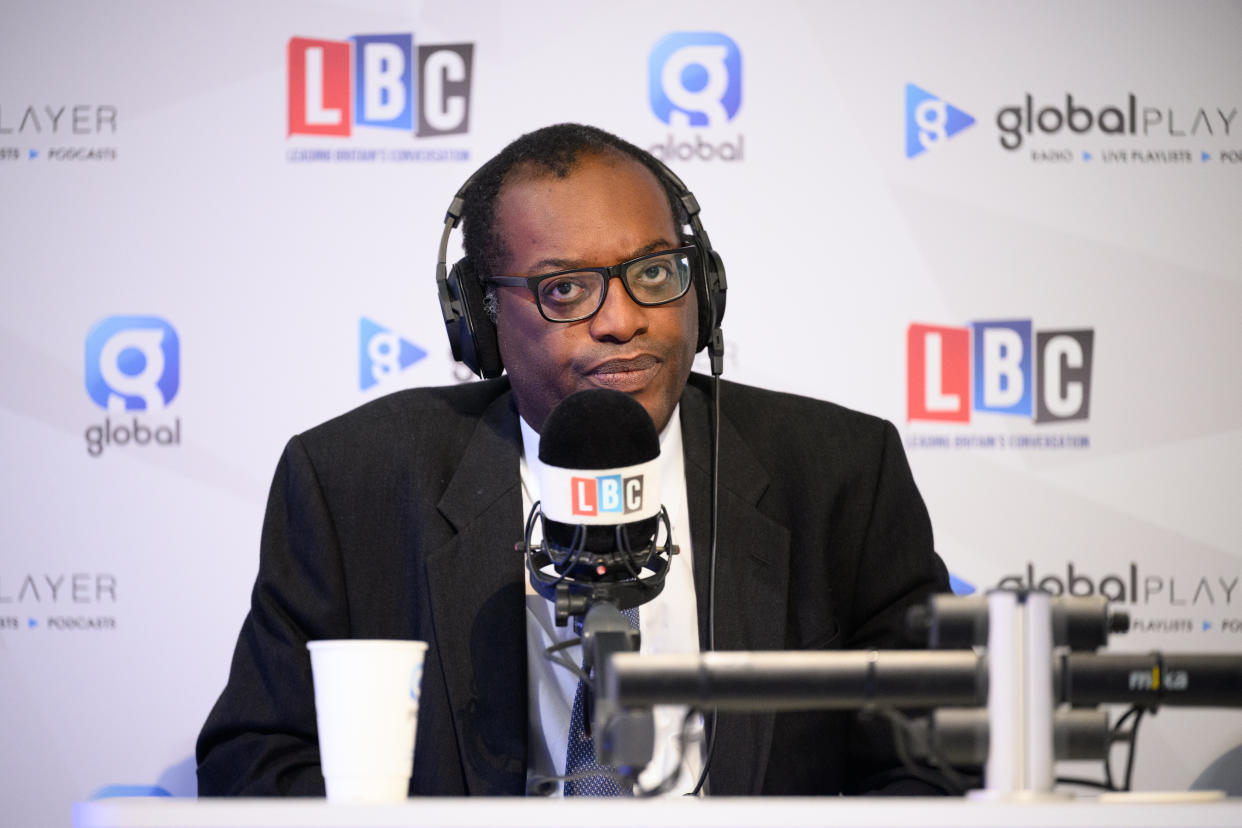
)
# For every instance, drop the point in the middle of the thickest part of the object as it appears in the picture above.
(608, 210)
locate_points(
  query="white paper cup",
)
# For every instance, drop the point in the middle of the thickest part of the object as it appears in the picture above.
(366, 705)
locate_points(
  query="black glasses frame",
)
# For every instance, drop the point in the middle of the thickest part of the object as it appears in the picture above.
(616, 271)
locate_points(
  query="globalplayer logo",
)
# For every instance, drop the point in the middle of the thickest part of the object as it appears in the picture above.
(694, 82)
(930, 120)
(133, 364)
(382, 354)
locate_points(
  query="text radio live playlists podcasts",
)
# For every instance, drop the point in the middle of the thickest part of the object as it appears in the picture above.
(57, 601)
(57, 132)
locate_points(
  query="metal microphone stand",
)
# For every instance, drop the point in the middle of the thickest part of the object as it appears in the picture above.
(597, 587)
(624, 737)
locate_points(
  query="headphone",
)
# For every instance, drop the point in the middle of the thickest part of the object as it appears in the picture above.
(472, 333)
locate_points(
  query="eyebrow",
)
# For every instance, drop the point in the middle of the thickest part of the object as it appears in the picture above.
(552, 264)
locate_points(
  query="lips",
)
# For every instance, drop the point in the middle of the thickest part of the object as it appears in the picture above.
(630, 375)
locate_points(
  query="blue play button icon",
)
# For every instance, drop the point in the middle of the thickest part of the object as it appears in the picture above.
(382, 353)
(930, 120)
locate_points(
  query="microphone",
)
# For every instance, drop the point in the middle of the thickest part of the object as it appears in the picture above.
(948, 622)
(1152, 679)
(599, 482)
(600, 508)
(850, 679)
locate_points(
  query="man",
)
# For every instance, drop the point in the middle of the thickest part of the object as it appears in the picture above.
(398, 520)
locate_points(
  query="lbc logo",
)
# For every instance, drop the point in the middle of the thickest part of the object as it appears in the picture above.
(1000, 367)
(607, 493)
(371, 79)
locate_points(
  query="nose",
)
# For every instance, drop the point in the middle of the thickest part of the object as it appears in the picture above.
(619, 319)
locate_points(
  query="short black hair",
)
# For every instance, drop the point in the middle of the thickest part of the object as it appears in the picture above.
(556, 150)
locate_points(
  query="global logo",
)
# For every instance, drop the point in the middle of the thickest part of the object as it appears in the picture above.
(695, 79)
(930, 120)
(999, 367)
(132, 363)
(382, 354)
(372, 81)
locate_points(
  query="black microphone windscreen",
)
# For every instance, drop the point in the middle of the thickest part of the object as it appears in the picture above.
(598, 429)
(593, 430)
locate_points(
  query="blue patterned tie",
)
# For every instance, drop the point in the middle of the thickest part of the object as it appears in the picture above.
(580, 755)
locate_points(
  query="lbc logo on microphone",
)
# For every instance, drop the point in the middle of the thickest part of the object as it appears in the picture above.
(607, 493)
(1015, 370)
(369, 80)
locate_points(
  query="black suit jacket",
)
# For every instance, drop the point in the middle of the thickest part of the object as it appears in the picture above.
(398, 520)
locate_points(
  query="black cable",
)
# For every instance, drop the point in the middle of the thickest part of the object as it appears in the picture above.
(711, 571)
(552, 654)
(1138, 718)
(1089, 783)
(1119, 736)
(944, 777)
(670, 779)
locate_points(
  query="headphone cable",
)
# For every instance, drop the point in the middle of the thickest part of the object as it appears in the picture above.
(716, 353)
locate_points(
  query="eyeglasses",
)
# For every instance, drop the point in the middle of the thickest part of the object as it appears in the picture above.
(573, 295)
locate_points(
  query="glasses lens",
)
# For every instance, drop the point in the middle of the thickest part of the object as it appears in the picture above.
(571, 295)
(659, 278)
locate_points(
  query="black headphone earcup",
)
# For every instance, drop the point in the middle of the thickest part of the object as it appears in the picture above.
(471, 332)
(719, 286)
(711, 295)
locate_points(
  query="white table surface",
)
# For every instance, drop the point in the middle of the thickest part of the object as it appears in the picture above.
(831, 812)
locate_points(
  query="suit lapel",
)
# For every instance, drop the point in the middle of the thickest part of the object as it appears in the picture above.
(752, 577)
(475, 581)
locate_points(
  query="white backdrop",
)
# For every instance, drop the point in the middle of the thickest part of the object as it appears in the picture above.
(858, 183)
